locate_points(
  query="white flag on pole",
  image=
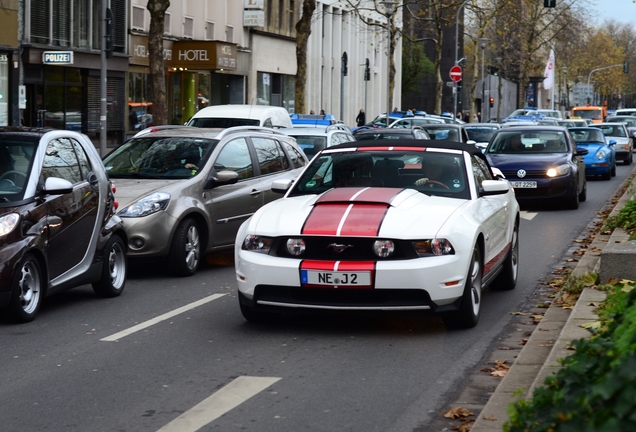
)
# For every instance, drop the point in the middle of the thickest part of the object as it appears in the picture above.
(548, 81)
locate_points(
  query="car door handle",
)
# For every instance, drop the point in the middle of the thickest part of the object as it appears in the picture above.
(255, 192)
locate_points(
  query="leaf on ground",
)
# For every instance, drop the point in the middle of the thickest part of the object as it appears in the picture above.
(490, 418)
(595, 325)
(466, 427)
(517, 313)
(457, 412)
(572, 260)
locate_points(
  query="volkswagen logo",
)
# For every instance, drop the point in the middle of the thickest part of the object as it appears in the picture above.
(338, 248)
(521, 173)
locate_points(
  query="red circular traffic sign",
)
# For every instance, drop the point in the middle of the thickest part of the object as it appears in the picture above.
(456, 73)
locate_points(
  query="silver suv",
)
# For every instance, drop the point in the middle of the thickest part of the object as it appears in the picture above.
(313, 139)
(183, 192)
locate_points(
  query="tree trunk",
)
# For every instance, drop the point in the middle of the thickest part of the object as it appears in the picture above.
(157, 9)
(303, 30)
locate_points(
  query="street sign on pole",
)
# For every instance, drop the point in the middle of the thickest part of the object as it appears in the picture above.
(456, 73)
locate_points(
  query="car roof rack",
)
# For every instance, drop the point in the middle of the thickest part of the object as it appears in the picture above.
(238, 129)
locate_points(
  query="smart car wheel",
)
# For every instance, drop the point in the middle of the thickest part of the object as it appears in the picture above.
(467, 315)
(114, 268)
(507, 279)
(27, 294)
(185, 252)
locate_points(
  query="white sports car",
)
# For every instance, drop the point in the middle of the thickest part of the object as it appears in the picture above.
(415, 226)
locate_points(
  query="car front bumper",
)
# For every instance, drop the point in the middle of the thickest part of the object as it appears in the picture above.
(424, 284)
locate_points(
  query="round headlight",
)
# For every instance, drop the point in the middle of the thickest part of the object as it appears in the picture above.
(600, 154)
(296, 247)
(383, 248)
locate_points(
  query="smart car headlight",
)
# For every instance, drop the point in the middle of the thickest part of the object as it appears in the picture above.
(383, 248)
(8, 222)
(257, 243)
(436, 246)
(148, 205)
(561, 170)
(601, 154)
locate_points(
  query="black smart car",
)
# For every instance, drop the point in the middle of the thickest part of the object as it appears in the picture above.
(58, 228)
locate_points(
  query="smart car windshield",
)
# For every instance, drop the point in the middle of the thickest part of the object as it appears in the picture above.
(16, 158)
(152, 157)
(433, 173)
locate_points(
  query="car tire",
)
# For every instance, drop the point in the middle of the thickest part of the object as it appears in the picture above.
(583, 194)
(607, 175)
(185, 252)
(114, 269)
(467, 315)
(507, 279)
(573, 202)
(27, 290)
(614, 168)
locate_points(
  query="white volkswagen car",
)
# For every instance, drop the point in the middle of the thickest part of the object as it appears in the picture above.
(412, 226)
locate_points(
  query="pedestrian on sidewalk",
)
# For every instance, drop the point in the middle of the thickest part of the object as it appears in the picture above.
(361, 119)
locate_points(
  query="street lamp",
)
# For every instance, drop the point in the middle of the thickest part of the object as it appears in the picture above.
(457, 54)
(483, 78)
(565, 93)
(388, 11)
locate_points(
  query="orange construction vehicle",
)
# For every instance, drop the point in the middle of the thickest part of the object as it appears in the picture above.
(596, 113)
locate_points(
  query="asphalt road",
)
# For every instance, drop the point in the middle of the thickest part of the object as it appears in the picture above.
(175, 354)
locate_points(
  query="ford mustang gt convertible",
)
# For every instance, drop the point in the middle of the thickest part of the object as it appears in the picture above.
(411, 227)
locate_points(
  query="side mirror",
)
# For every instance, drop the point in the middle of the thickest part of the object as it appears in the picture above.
(611, 142)
(281, 186)
(57, 186)
(494, 187)
(581, 151)
(221, 178)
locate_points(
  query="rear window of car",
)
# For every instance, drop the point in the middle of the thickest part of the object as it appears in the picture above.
(221, 122)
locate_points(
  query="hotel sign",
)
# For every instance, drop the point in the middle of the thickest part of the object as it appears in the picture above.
(253, 18)
(57, 57)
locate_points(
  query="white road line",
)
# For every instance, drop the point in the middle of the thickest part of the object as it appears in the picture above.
(227, 398)
(527, 215)
(160, 318)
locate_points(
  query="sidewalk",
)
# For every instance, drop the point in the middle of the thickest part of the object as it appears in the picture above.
(550, 340)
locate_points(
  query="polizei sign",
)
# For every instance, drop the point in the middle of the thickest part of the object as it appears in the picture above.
(57, 57)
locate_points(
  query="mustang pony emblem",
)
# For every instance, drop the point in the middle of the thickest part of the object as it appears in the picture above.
(338, 248)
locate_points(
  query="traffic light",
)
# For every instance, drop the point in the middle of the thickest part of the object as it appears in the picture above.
(492, 102)
(345, 62)
(109, 33)
(367, 71)
(549, 3)
(626, 67)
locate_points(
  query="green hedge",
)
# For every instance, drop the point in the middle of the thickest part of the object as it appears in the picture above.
(595, 391)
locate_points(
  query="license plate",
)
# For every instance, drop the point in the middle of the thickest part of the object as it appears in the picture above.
(524, 184)
(310, 277)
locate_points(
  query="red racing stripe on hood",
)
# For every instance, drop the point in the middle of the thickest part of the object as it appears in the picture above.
(367, 195)
(345, 219)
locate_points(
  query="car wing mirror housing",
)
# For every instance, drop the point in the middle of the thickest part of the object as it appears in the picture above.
(611, 142)
(221, 178)
(581, 151)
(494, 187)
(281, 186)
(57, 186)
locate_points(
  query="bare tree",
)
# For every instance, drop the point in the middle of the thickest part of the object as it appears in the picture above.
(303, 31)
(157, 9)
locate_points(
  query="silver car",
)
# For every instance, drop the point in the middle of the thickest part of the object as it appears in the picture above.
(624, 141)
(313, 139)
(183, 192)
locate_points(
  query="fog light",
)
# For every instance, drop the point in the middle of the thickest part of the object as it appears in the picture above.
(296, 247)
(383, 248)
(137, 243)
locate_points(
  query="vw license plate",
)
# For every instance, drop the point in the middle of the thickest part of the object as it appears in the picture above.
(524, 184)
(309, 277)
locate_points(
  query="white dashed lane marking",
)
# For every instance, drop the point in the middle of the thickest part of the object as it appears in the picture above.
(527, 215)
(160, 318)
(224, 400)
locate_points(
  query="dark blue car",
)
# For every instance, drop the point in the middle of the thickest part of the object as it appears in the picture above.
(541, 162)
(601, 157)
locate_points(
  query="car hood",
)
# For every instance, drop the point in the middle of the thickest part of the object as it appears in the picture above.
(527, 161)
(130, 190)
(619, 140)
(385, 212)
(592, 147)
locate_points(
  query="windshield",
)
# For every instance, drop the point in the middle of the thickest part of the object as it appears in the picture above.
(515, 142)
(383, 135)
(480, 133)
(433, 173)
(587, 114)
(152, 157)
(220, 122)
(587, 136)
(311, 144)
(16, 158)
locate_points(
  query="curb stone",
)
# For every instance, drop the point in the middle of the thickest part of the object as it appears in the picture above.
(550, 340)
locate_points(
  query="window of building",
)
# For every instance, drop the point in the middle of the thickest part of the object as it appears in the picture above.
(209, 30)
(188, 27)
(138, 18)
(166, 23)
(229, 34)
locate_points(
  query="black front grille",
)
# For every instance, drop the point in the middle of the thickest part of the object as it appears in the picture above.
(530, 174)
(343, 297)
(343, 249)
